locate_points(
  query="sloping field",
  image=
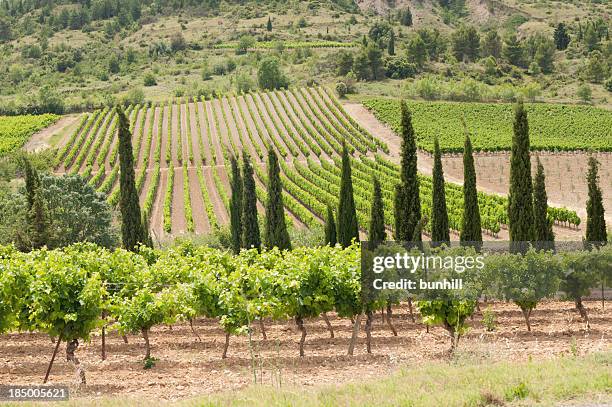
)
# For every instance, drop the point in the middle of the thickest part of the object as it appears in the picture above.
(182, 151)
(553, 127)
(16, 130)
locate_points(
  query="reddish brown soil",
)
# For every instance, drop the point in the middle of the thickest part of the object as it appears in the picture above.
(188, 367)
(157, 213)
(204, 133)
(245, 121)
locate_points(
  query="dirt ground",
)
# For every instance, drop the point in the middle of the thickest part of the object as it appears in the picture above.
(42, 140)
(188, 366)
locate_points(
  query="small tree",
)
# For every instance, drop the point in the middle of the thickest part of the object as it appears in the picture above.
(391, 45)
(440, 232)
(347, 215)
(269, 24)
(471, 230)
(544, 235)
(520, 197)
(561, 37)
(525, 279)
(236, 206)
(250, 224)
(275, 234)
(132, 229)
(596, 221)
(330, 228)
(584, 93)
(377, 232)
(270, 76)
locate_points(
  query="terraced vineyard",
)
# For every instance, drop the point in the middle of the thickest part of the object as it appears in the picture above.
(16, 130)
(182, 151)
(553, 127)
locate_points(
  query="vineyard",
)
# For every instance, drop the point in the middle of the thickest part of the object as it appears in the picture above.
(70, 293)
(16, 130)
(182, 152)
(553, 127)
(289, 44)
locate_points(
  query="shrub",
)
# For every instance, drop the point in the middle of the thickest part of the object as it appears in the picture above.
(149, 79)
(584, 92)
(341, 89)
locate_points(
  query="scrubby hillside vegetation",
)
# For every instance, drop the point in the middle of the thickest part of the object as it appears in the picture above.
(60, 56)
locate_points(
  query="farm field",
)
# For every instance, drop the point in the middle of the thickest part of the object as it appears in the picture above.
(16, 130)
(493, 169)
(182, 152)
(553, 127)
(188, 367)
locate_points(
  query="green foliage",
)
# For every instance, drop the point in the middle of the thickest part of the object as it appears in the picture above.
(556, 127)
(543, 224)
(236, 206)
(471, 228)
(596, 222)
(330, 227)
(275, 233)
(408, 202)
(440, 232)
(16, 130)
(561, 37)
(250, 224)
(377, 232)
(270, 76)
(520, 197)
(466, 43)
(348, 230)
(132, 229)
(489, 320)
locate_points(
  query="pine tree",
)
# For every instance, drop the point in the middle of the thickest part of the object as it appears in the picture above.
(275, 233)
(520, 197)
(269, 25)
(250, 224)
(347, 215)
(408, 202)
(330, 228)
(391, 46)
(132, 229)
(596, 222)
(236, 206)
(377, 232)
(440, 233)
(544, 235)
(471, 229)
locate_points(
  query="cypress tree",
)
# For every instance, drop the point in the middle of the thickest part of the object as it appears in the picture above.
(236, 206)
(377, 232)
(544, 235)
(471, 229)
(32, 182)
(132, 228)
(39, 227)
(275, 233)
(391, 46)
(439, 216)
(596, 222)
(347, 215)
(269, 25)
(520, 198)
(398, 201)
(250, 224)
(330, 228)
(408, 202)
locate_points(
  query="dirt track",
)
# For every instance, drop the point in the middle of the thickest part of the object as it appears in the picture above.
(188, 367)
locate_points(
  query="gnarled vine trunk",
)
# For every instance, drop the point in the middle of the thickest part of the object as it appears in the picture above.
(145, 336)
(527, 314)
(356, 326)
(389, 321)
(300, 323)
(263, 329)
(410, 310)
(368, 330)
(71, 347)
(583, 312)
(194, 331)
(227, 339)
(329, 325)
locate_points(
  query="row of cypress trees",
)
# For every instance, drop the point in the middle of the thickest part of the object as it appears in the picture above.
(527, 209)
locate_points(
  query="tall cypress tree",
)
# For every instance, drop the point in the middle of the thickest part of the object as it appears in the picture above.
(408, 202)
(544, 235)
(330, 228)
(520, 198)
(440, 232)
(269, 24)
(398, 202)
(471, 228)
(132, 228)
(275, 233)
(39, 226)
(347, 215)
(377, 232)
(236, 206)
(596, 222)
(250, 224)
(32, 181)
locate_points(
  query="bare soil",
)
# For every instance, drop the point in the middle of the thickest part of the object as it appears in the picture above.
(189, 367)
(41, 140)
